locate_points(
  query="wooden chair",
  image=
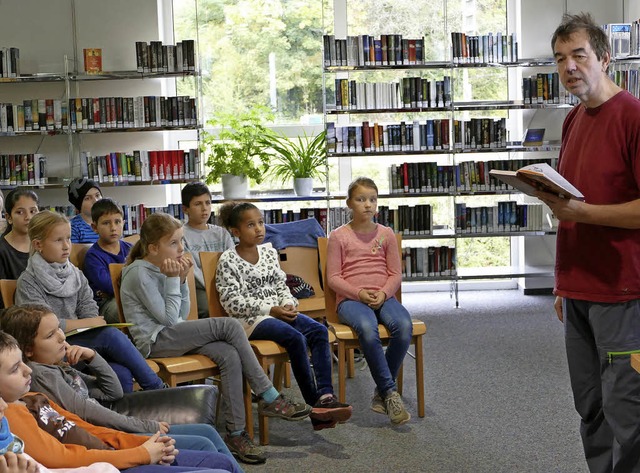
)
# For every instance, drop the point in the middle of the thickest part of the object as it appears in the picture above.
(304, 262)
(78, 252)
(175, 369)
(267, 352)
(8, 291)
(347, 339)
(132, 238)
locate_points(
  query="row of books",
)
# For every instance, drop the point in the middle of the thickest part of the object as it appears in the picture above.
(545, 88)
(432, 261)
(476, 133)
(157, 57)
(407, 219)
(142, 166)
(504, 217)
(377, 138)
(9, 62)
(133, 215)
(365, 50)
(482, 49)
(628, 80)
(411, 92)
(623, 38)
(98, 113)
(23, 169)
(468, 176)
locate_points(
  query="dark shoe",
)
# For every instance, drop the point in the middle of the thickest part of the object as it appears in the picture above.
(284, 408)
(244, 449)
(322, 424)
(330, 409)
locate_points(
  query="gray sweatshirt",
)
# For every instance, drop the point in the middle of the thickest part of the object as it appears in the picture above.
(151, 301)
(78, 393)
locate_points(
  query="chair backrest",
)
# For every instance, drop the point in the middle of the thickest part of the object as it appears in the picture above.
(209, 260)
(115, 270)
(132, 238)
(78, 252)
(302, 262)
(8, 291)
(329, 294)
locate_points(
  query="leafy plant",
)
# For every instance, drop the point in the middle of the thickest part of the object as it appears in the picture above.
(240, 146)
(296, 158)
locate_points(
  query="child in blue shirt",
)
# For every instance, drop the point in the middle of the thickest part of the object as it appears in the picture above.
(83, 193)
(107, 223)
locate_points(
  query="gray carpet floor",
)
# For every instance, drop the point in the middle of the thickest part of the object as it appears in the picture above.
(497, 399)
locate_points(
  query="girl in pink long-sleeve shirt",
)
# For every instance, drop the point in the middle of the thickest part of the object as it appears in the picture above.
(363, 268)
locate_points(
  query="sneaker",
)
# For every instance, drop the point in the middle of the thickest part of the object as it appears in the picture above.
(244, 449)
(398, 415)
(330, 409)
(377, 404)
(284, 409)
(322, 424)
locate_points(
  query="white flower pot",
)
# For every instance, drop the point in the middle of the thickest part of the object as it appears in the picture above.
(234, 187)
(303, 185)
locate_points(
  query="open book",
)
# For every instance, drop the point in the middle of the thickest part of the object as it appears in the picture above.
(541, 177)
(76, 331)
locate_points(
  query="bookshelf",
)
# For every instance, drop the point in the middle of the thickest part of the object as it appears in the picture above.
(443, 170)
(55, 71)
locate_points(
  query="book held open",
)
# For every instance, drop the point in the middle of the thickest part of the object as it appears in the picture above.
(540, 177)
(76, 331)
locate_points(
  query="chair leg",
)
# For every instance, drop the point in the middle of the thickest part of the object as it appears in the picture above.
(287, 375)
(263, 421)
(342, 381)
(351, 366)
(420, 375)
(248, 409)
(280, 370)
(399, 381)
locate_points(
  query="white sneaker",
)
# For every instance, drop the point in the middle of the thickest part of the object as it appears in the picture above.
(398, 415)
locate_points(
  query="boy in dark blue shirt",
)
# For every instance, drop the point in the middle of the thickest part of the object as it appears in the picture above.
(110, 248)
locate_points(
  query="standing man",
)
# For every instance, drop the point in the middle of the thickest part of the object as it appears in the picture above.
(598, 247)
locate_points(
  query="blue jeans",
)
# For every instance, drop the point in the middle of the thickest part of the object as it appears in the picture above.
(364, 320)
(295, 337)
(188, 461)
(125, 359)
(202, 437)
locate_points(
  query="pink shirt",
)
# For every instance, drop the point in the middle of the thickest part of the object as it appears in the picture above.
(357, 261)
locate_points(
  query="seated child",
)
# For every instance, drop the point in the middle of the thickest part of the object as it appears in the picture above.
(14, 460)
(253, 289)
(363, 268)
(45, 348)
(201, 236)
(120, 449)
(107, 222)
(20, 206)
(50, 279)
(83, 193)
(155, 298)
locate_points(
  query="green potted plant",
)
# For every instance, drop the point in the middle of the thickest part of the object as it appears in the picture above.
(238, 151)
(299, 159)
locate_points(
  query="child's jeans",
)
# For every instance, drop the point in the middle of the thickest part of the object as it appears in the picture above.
(125, 359)
(296, 337)
(364, 320)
